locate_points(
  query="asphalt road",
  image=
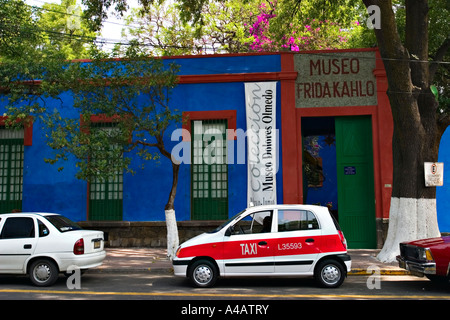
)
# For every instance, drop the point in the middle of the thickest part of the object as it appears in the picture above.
(147, 286)
(154, 296)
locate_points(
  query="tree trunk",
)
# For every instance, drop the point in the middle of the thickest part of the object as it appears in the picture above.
(416, 133)
(172, 233)
(171, 221)
(169, 210)
(413, 206)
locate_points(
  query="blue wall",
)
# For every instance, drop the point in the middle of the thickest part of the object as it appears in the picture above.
(328, 192)
(228, 64)
(44, 187)
(157, 178)
(147, 191)
(442, 193)
(219, 96)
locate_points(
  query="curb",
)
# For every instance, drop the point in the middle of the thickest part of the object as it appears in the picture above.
(383, 272)
(132, 270)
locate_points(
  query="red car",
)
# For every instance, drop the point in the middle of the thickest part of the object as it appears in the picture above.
(427, 257)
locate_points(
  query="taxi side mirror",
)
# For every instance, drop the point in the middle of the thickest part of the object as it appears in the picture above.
(229, 231)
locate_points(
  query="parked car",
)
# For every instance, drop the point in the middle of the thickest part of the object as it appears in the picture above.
(277, 240)
(43, 245)
(427, 257)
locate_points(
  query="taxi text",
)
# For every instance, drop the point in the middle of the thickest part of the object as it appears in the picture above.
(249, 248)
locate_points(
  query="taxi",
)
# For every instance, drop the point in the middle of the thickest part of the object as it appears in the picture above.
(275, 240)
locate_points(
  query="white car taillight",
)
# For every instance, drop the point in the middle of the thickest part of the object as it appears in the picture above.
(78, 247)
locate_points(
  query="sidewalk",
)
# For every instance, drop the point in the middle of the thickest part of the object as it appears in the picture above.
(362, 259)
(154, 260)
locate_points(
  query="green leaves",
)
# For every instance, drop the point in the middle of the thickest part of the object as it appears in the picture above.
(120, 101)
(95, 112)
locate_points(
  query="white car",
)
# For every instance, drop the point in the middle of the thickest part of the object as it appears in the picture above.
(43, 245)
(278, 240)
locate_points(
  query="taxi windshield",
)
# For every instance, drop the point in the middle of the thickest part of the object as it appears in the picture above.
(227, 222)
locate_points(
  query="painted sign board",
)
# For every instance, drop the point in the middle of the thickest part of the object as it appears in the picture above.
(434, 174)
(350, 170)
(335, 79)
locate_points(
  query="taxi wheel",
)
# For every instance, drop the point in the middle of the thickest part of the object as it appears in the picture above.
(203, 274)
(329, 273)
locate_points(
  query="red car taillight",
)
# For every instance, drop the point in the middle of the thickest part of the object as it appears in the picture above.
(78, 247)
(344, 242)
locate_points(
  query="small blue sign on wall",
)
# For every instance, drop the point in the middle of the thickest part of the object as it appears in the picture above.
(350, 171)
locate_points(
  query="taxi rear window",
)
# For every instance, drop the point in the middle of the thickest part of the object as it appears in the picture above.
(294, 220)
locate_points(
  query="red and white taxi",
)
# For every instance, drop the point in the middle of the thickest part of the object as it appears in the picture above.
(276, 240)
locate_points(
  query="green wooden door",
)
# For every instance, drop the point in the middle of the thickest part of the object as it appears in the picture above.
(356, 195)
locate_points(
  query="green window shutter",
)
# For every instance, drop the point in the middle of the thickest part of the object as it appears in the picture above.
(106, 195)
(11, 169)
(209, 170)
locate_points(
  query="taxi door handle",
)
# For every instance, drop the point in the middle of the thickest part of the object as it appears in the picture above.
(27, 246)
(309, 240)
(262, 243)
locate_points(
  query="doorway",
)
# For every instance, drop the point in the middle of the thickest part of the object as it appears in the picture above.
(338, 173)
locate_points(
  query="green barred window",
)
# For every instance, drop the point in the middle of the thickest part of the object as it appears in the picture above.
(209, 186)
(11, 169)
(106, 195)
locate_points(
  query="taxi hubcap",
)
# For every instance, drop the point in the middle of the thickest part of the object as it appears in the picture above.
(330, 274)
(203, 274)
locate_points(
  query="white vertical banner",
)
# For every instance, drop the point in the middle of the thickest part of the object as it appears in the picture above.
(262, 148)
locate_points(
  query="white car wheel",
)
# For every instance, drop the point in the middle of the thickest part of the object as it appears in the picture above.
(43, 273)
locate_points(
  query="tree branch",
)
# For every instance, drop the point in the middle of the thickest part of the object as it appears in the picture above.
(438, 57)
(416, 41)
(396, 56)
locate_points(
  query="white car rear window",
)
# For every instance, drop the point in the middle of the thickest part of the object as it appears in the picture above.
(63, 224)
